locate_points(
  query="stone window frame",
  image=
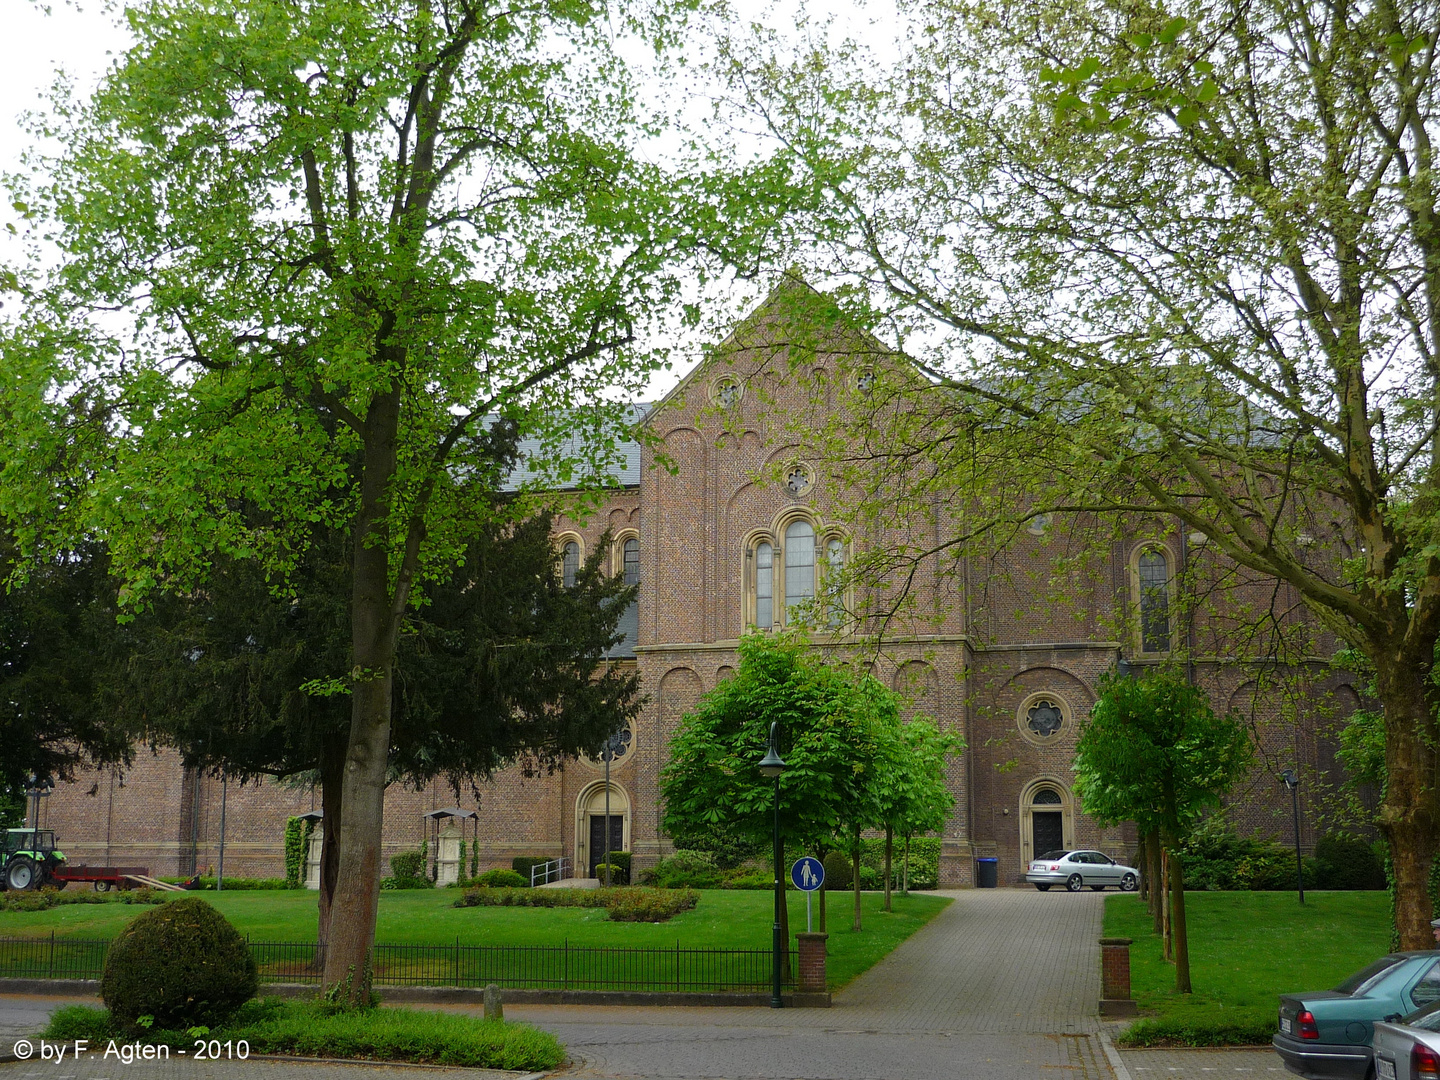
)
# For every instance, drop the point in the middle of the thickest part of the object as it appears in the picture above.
(561, 541)
(810, 486)
(617, 549)
(717, 390)
(863, 379)
(1133, 566)
(620, 762)
(1022, 717)
(774, 536)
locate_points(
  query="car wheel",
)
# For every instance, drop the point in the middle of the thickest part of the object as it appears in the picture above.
(1128, 883)
(1043, 888)
(20, 873)
(102, 886)
(1076, 883)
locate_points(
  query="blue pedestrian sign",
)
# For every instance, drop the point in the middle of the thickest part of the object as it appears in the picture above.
(808, 874)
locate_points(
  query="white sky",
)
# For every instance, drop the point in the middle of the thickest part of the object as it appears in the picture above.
(81, 38)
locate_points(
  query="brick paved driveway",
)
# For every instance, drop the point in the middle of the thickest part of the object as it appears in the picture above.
(1001, 985)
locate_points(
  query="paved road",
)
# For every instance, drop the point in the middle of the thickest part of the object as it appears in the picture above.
(1001, 985)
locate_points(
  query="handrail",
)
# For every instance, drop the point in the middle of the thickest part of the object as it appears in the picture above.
(553, 870)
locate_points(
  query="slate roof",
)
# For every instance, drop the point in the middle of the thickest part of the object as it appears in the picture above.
(625, 471)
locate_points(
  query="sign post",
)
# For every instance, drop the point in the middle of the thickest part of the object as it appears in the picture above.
(808, 874)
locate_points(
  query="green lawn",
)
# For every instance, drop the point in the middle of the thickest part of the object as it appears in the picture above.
(729, 919)
(1245, 949)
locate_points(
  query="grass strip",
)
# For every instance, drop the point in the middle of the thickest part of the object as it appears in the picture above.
(1246, 949)
(313, 1029)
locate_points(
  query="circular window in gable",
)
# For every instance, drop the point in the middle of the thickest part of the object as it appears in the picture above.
(798, 479)
(725, 392)
(616, 749)
(1041, 717)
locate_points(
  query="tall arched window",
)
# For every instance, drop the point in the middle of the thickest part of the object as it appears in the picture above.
(834, 580)
(1154, 573)
(799, 564)
(764, 585)
(569, 563)
(630, 618)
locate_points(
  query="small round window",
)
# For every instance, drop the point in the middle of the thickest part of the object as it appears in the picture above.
(725, 393)
(797, 480)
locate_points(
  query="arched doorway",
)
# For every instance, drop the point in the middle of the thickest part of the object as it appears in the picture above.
(1046, 819)
(592, 824)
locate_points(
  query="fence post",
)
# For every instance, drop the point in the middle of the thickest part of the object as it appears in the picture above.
(566, 980)
(457, 959)
(811, 963)
(52, 954)
(1115, 977)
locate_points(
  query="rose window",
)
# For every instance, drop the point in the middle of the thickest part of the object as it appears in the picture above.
(1045, 718)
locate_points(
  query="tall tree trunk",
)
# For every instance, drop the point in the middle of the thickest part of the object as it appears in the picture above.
(373, 624)
(1141, 860)
(1157, 885)
(1178, 937)
(1410, 813)
(1166, 904)
(855, 867)
(889, 845)
(332, 778)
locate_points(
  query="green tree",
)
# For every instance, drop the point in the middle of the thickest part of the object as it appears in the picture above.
(915, 797)
(57, 623)
(503, 665)
(1153, 752)
(1180, 263)
(337, 243)
(828, 737)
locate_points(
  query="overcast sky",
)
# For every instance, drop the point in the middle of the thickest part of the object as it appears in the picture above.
(82, 37)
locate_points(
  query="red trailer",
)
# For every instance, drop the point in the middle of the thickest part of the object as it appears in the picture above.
(106, 878)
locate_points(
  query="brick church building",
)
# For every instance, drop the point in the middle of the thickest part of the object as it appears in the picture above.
(728, 521)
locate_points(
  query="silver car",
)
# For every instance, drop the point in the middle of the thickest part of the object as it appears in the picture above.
(1076, 869)
(1409, 1049)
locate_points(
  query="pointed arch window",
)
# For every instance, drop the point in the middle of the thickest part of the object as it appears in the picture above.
(631, 561)
(1153, 573)
(569, 563)
(629, 626)
(834, 581)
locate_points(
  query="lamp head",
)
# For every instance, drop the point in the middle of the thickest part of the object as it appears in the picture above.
(1292, 781)
(772, 764)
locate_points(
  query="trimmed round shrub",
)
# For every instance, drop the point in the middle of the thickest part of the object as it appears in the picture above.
(839, 874)
(502, 879)
(182, 963)
(1347, 862)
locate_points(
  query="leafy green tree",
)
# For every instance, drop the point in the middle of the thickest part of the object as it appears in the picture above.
(1153, 752)
(1173, 262)
(827, 734)
(316, 256)
(915, 798)
(503, 664)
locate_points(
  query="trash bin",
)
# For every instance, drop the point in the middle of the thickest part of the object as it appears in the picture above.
(987, 873)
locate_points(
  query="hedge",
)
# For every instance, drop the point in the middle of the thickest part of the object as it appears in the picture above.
(623, 904)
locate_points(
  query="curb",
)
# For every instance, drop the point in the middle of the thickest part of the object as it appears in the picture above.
(1117, 1064)
(458, 995)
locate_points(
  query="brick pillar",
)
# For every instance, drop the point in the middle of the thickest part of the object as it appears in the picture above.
(1115, 997)
(811, 978)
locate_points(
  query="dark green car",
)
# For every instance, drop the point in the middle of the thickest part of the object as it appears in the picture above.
(1326, 1035)
(28, 859)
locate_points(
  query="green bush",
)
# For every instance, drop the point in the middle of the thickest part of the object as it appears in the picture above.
(1203, 1027)
(500, 879)
(236, 884)
(407, 864)
(839, 874)
(630, 904)
(1347, 862)
(615, 872)
(312, 1029)
(621, 861)
(523, 864)
(650, 905)
(183, 964)
(1217, 858)
(684, 870)
(295, 836)
(749, 877)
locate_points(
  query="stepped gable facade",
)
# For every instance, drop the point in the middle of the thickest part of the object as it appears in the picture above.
(731, 522)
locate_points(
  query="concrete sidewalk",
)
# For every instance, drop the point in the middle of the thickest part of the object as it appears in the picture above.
(1202, 1064)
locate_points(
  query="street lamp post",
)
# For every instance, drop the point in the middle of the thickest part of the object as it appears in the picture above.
(1292, 781)
(771, 766)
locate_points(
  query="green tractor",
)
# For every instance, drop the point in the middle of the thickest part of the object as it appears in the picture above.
(29, 859)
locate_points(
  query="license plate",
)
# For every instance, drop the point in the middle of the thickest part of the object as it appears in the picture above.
(1285, 1025)
(1384, 1070)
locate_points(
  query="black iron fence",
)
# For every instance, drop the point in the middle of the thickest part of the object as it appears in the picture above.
(519, 967)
